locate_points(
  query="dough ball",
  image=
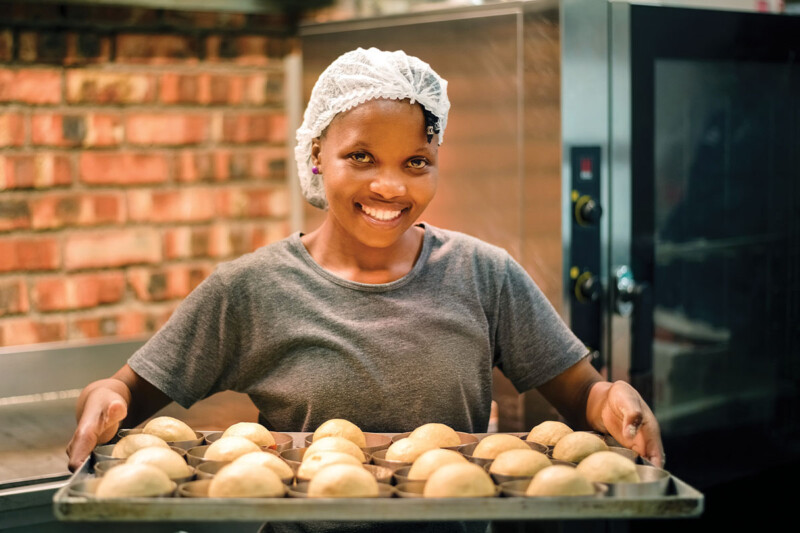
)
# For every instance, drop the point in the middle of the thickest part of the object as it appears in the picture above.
(548, 432)
(170, 429)
(459, 480)
(608, 467)
(343, 481)
(425, 464)
(229, 448)
(490, 446)
(440, 435)
(312, 465)
(338, 427)
(130, 443)
(559, 480)
(134, 481)
(519, 462)
(251, 431)
(335, 444)
(270, 460)
(167, 460)
(245, 481)
(576, 446)
(407, 450)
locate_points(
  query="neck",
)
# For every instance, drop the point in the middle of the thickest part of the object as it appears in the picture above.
(358, 262)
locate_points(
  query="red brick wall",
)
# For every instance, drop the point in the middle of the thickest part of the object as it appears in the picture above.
(138, 148)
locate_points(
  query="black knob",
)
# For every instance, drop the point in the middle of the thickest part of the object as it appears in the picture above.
(588, 288)
(590, 212)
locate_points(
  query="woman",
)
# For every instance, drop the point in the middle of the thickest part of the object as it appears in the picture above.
(372, 317)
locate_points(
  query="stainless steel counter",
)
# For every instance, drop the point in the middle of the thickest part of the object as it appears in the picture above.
(39, 386)
(33, 437)
(33, 462)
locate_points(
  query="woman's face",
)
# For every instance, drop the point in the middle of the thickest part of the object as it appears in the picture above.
(379, 170)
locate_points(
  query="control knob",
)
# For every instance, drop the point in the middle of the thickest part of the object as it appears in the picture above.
(587, 211)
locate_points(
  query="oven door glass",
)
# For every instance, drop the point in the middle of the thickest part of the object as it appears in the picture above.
(715, 192)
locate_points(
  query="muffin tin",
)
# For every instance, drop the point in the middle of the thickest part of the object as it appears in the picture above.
(374, 441)
(659, 495)
(283, 441)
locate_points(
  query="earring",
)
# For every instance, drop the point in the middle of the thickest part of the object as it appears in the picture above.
(314, 170)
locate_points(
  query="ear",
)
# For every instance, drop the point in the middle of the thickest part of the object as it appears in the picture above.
(315, 150)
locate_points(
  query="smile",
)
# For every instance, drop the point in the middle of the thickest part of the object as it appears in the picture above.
(381, 214)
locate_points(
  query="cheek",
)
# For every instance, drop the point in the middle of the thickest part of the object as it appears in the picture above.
(428, 190)
(337, 189)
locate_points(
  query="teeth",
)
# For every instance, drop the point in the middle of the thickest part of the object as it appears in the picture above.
(380, 214)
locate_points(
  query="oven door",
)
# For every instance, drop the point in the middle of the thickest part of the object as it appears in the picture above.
(697, 218)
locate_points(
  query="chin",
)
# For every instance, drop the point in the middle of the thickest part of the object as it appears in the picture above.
(377, 237)
(386, 241)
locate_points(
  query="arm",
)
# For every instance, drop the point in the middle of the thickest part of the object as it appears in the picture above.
(588, 401)
(104, 404)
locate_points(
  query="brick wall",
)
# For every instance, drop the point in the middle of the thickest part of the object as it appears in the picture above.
(138, 148)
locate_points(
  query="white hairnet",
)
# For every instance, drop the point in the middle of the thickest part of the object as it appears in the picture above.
(354, 78)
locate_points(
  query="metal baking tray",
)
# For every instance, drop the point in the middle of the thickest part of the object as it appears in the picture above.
(679, 501)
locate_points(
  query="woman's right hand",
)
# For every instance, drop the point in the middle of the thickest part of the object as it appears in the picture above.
(103, 404)
(101, 408)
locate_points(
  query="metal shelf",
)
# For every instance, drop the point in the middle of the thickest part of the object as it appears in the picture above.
(237, 6)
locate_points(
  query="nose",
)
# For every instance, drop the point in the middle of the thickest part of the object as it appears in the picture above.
(388, 184)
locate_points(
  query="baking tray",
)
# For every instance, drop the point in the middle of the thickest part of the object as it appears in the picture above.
(679, 501)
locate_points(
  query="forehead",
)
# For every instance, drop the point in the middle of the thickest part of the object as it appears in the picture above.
(395, 115)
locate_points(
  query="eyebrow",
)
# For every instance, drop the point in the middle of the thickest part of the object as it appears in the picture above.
(423, 149)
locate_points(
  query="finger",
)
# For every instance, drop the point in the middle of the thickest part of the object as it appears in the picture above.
(90, 427)
(655, 455)
(79, 448)
(658, 460)
(648, 443)
(655, 449)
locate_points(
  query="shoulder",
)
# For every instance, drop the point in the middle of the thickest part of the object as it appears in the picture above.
(267, 260)
(470, 257)
(455, 244)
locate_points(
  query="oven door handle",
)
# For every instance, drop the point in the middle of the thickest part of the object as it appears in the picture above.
(635, 299)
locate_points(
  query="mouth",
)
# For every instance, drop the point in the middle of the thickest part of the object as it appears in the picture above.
(382, 215)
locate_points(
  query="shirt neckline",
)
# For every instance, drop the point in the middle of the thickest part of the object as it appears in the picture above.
(367, 287)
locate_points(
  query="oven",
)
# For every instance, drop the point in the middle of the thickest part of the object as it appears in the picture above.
(682, 207)
(681, 195)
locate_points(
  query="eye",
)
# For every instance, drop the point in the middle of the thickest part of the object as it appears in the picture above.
(361, 157)
(418, 163)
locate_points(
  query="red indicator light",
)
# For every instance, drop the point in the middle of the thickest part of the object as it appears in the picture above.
(586, 168)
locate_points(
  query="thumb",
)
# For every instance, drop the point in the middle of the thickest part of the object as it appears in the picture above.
(98, 423)
(631, 422)
(116, 412)
(625, 404)
(107, 423)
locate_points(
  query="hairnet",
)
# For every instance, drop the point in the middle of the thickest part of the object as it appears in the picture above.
(354, 78)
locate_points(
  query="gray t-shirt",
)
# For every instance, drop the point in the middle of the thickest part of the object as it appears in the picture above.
(307, 345)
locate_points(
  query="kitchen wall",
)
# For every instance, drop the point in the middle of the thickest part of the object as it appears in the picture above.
(138, 148)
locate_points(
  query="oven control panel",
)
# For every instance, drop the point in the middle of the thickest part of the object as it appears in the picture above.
(586, 288)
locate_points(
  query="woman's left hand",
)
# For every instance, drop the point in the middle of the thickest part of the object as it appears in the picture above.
(581, 394)
(627, 418)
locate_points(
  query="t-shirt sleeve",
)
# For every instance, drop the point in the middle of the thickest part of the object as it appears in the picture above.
(533, 344)
(192, 355)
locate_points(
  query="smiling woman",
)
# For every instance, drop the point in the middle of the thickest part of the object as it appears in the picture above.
(380, 174)
(368, 153)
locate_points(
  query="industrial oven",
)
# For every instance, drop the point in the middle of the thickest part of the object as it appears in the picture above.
(681, 144)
